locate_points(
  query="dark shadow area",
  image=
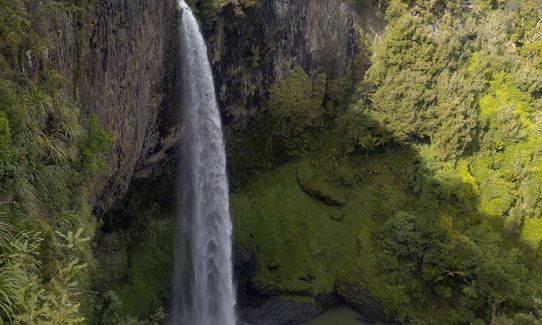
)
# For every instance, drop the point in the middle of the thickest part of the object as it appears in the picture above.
(134, 248)
(418, 220)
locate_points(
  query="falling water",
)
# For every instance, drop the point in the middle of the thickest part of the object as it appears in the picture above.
(203, 292)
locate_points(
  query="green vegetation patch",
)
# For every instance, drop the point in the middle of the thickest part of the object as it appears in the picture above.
(424, 189)
(49, 153)
(136, 254)
(299, 242)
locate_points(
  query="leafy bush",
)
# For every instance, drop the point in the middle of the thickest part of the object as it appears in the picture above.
(294, 110)
(45, 157)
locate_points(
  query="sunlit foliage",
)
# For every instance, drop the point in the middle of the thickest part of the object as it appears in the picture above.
(439, 157)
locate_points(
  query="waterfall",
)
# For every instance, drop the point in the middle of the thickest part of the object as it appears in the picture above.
(203, 291)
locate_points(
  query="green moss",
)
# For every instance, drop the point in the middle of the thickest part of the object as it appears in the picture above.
(149, 269)
(275, 218)
(299, 299)
(297, 242)
(322, 191)
(136, 252)
(254, 56)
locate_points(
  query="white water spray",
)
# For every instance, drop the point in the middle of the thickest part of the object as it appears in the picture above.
(203, 292)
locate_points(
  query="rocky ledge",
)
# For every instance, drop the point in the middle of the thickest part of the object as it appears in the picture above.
(264, 306)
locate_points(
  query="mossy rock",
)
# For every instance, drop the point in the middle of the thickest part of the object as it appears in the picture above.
(337, 215)
(362, 301)
(321, 191)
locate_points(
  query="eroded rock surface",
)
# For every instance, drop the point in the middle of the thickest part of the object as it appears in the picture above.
(129, 77)
(250, 52)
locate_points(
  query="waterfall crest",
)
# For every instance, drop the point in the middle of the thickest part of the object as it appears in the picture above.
(203, 291)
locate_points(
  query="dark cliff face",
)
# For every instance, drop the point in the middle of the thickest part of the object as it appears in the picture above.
(128, 83)
(129, 72)
(253, 50)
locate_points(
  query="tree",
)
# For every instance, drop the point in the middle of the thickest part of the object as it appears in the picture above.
(294, 109)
